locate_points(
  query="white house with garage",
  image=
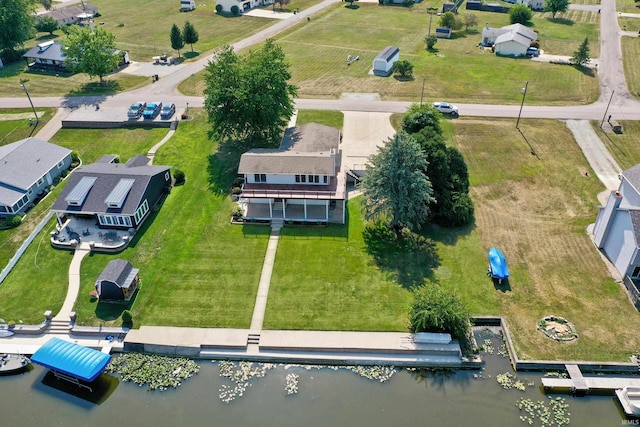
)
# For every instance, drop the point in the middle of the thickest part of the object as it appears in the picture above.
(512, 40)
(617, 230)
(302, 181)
(241, 6)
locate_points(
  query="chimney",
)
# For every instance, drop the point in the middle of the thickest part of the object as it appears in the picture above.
(605, 219)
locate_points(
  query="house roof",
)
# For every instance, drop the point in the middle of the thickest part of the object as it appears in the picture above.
(107, 177)
(71, 12)
(120, 272)
(515, 37)
(632, 175)
(51, 50)
(24, 162)
(488, 32)
(634, 216)
(523, 31)
(388, 53)
(308, 149)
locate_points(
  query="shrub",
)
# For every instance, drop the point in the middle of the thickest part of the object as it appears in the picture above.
(179, 176)
(535, 44)
(14, 220)
(404, 68)
(75, 157)
(520, 14)
(218, 8)
(235, 10)
(127, 317)
(63, 174)
(435, 309)
(236, 190)
(431, 41)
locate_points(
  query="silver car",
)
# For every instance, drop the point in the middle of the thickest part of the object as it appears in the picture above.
(446, 108)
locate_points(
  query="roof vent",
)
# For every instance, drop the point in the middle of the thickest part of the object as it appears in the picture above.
(44, 46)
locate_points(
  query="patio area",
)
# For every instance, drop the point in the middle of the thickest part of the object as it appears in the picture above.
(314, 213)
(74, 230)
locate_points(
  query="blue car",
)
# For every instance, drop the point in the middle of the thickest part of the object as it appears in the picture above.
(152, 110)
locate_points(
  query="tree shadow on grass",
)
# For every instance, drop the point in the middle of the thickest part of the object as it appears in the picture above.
(104, 88)
(412, 258)
(110, 311)
(561, 21)
(587, 71)
(223, 166)
(449, 236)
(189, 55)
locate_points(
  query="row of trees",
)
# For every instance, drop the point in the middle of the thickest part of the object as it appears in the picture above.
(188, 35)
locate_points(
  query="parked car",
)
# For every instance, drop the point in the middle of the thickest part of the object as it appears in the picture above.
(136, 109)
(446, 108)
(168, 110)
(533, 51)
(152, 110)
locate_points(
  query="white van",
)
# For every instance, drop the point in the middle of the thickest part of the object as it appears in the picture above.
(187, 5)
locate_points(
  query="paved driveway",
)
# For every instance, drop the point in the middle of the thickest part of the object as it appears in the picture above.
(363, 133)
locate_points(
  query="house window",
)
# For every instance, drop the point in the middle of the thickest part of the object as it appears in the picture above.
(40, 181)
(60, 164)
(325, 179)
(260, 177)
(636, 272)
(166, 176)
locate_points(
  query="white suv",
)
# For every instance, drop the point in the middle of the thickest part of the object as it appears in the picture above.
(446, 108)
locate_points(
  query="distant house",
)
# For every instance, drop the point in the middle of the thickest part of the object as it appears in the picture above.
(116, 195)
(118, 281)
(383, 63)
(617, 230)
(226, 6)
(301, 181)
(512, 40)
(48, 55)
(534, 4)
(72, 14)
(27, 167)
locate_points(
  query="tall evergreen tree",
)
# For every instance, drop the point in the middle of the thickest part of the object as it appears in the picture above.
(581, 56)
(395, 186)
(249, 98)
(177, 41)
(189, 34)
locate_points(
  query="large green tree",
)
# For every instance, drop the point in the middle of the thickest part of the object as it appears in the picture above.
(249, 98)
(47, 24)
(447, 169)
(555, 6)
(16, 25)
(404, 68)
(46, 4)
(177, 41)
(581, 56)
(395, 187)
(189, 34)
(520, 14)
(450, 20)
(91, 50)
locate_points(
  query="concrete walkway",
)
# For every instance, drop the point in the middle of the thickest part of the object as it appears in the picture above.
(265, 281)
(74, 282)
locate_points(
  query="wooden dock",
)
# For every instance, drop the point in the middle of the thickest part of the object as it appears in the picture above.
(579, 384)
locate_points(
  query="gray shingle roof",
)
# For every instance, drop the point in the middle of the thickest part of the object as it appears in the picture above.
(632, 175)
(120, 272)
(307, 149)
(388, 53)
(635, 223)
(54, 52)
(24, 162)
(108, 175)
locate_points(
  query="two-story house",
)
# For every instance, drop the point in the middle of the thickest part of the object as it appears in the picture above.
(301, 181)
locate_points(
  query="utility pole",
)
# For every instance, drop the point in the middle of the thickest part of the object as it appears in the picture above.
(431, 11)
(605, 111)
(22, 82)
(524, 93)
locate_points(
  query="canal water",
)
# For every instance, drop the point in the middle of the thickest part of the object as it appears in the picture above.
(325, 397)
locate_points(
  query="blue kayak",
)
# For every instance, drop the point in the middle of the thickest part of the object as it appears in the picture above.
(497, 265)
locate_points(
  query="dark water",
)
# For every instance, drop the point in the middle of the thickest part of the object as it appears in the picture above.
(325, 398)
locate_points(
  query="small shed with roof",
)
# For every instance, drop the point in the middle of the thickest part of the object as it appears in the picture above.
(383, 63)
(118, 281)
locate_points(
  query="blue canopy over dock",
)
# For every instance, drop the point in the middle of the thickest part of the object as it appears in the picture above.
(71, 359)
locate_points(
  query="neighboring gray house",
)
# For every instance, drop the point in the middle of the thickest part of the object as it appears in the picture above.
(118, 281)
(27, 167)
(301, 181)
(617, 230)
(512, 40)
(72, 14)
(47, 55)
(118, 196)
(383, 63)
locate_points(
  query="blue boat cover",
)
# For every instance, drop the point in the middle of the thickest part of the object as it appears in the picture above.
(497, 264)
(71, 359)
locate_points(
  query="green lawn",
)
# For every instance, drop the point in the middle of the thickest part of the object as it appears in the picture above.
(625, 147)
(14, 123)
(457, 70)
(196, 268)
(629, 24)
(627, 6)
(631, 55)
(324, 117)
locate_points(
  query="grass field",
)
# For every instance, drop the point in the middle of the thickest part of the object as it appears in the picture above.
(457, 70)
(627, 6)
(625, 147)
(14, 123)
(631, 53)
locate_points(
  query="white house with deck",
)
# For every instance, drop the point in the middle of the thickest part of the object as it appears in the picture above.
(302, 181)
(617, 230)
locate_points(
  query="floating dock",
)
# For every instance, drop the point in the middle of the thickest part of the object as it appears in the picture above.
(579, 384)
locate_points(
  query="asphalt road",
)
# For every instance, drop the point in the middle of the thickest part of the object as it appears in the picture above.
(610, 72)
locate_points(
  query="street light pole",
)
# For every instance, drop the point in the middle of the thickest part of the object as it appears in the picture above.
(430, 11)
(524, 94)
(22, 82)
